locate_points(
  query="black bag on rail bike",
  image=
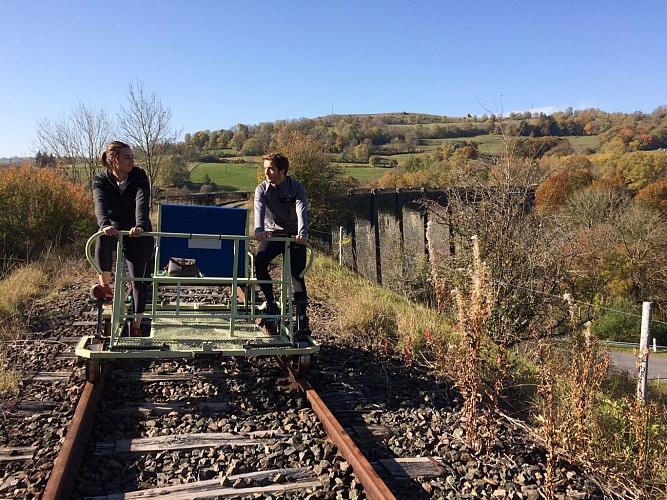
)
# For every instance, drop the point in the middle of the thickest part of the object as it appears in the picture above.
(182, 268)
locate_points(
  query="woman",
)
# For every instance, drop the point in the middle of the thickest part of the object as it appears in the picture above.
(122, 201)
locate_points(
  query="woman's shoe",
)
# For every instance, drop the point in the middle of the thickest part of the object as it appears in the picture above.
(101, 292)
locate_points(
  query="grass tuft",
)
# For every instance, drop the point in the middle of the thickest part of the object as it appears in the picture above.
(22, 285)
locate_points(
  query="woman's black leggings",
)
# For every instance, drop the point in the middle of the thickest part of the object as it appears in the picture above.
(137, 253)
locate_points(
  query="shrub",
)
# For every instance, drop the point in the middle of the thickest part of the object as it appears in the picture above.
(622, 323)
(39, 208)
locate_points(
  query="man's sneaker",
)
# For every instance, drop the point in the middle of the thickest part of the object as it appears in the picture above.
(303, 330)
(101, 292)
(271, 325)
(302, 323)
(273, 309)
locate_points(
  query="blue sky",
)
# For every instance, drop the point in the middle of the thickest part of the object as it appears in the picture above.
(218, 63)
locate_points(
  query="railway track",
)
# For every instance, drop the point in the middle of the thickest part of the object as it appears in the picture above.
(277, 480)
(404, 422)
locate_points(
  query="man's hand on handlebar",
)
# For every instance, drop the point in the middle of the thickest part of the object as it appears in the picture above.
(301, 239)
(261, 236)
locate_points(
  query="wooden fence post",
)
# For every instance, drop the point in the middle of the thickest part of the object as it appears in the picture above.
(352, 230)
(340, 246)
(642, 357)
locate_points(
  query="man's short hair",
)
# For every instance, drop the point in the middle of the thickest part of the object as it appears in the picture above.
(278, 160)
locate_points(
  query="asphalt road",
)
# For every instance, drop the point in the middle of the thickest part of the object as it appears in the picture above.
(657, 365)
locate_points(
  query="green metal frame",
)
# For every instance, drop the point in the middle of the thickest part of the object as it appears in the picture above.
(190, 329)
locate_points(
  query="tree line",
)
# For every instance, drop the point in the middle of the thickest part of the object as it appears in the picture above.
(354, 138)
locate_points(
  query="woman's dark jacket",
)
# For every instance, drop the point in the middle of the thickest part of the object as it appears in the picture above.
(124, 210)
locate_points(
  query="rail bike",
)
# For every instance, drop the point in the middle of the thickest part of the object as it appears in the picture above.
(213, 311)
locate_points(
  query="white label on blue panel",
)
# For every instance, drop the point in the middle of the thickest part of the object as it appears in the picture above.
(204, 243)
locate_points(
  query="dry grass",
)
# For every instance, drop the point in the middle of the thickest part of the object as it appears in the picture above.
(9, 378)
(575, 417)
(37, 279)
(590, 415)
(19, 289)
(473, 312)
(375, 317)
(21, 286)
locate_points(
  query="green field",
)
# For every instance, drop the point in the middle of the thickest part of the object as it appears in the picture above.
(493, 144)
(227, 176)
(487, 144)
(583, 142)
(365, 174)
(243, 176)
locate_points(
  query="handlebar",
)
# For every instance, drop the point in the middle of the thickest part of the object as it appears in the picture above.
(89, 256)
(94, 237)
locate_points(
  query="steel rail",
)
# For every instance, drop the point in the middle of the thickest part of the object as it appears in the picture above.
(68, 462)
(373, 485)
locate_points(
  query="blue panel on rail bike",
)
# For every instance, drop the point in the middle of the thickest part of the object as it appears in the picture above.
(215, 258)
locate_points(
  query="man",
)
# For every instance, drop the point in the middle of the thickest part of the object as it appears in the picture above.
(280, 210)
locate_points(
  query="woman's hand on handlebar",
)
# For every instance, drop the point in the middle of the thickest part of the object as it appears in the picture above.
(109, 231)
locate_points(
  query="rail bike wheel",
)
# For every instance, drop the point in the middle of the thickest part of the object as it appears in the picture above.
(301, 364)
(93, 370)
(106, 327)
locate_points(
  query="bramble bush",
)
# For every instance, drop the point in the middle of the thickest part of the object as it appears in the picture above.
(40, 209)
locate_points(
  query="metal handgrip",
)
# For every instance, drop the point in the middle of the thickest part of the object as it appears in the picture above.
(89, 254)
(310, 260)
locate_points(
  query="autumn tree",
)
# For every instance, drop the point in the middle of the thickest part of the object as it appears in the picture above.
(240, 136)
(200, 140)
(146, 124)
(642, 234)
(174, 171)
(654, 195)
(252, 147)
(573, 175)
(39, 208)
(617, 247)
(311, 165)
(643, 168)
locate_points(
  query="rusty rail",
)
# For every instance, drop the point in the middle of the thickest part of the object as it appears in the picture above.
(68, 462)
(66, 466)
(369, 479)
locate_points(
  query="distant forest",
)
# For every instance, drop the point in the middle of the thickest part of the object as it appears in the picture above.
(354, 138)
(571, 149)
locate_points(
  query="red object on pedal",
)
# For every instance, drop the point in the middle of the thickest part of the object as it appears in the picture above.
(101, 292)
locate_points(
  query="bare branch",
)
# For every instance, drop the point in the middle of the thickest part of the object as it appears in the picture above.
(77, 139)
(146, 124)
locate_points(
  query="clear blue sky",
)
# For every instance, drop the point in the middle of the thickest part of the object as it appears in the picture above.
(218, 63)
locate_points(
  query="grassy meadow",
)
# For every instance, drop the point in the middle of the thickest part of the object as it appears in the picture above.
(493, 144)
(243, 176)
(227, 176)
